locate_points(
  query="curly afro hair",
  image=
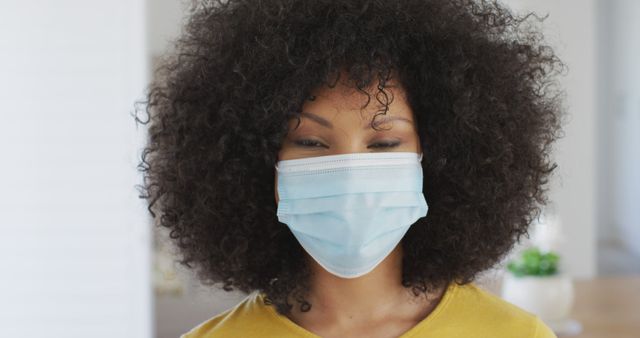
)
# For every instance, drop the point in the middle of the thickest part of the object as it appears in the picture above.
(477, 76)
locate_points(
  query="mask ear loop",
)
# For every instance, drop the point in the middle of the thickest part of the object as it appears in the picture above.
(420, 158)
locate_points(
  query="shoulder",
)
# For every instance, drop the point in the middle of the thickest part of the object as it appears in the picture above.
(244, 317)
(486, 312)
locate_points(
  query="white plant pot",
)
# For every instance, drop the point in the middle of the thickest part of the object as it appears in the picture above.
(549, 297)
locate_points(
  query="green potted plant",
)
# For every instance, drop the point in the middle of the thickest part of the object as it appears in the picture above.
(533, 262)
(535, 283)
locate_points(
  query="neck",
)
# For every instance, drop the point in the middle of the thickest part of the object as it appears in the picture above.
(371, 297)
(367, 295)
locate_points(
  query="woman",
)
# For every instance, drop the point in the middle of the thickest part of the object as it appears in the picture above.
(352, 165)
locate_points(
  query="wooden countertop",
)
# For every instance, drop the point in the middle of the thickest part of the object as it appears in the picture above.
(606, 307)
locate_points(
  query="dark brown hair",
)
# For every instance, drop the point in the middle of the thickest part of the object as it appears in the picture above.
(479, 81)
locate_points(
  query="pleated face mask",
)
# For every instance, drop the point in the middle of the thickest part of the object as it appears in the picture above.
(349, 211)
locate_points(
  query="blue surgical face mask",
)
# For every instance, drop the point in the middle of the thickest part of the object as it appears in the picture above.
(349, 211)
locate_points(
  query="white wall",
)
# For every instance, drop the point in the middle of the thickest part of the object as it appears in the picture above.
(571, 29)
(621, 123)
(74, 243)
(164, 23)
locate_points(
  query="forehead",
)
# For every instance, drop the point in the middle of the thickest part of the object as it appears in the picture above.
(326, 101)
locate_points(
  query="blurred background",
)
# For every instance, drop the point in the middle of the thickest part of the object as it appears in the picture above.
(78, 255)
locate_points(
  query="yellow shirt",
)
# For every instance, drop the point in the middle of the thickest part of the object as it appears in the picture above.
(464, 311)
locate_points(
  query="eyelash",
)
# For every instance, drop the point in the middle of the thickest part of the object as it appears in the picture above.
(312, 143)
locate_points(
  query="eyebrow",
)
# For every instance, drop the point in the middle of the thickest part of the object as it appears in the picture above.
(325, 123)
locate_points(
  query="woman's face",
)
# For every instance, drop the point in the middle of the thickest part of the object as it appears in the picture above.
(332, 124)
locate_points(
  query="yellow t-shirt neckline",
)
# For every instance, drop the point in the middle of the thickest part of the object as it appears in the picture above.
(463, 311)
(449, 293)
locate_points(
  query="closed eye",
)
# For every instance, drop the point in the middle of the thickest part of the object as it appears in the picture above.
(309, 143)
(385, 145)
(313, 143)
